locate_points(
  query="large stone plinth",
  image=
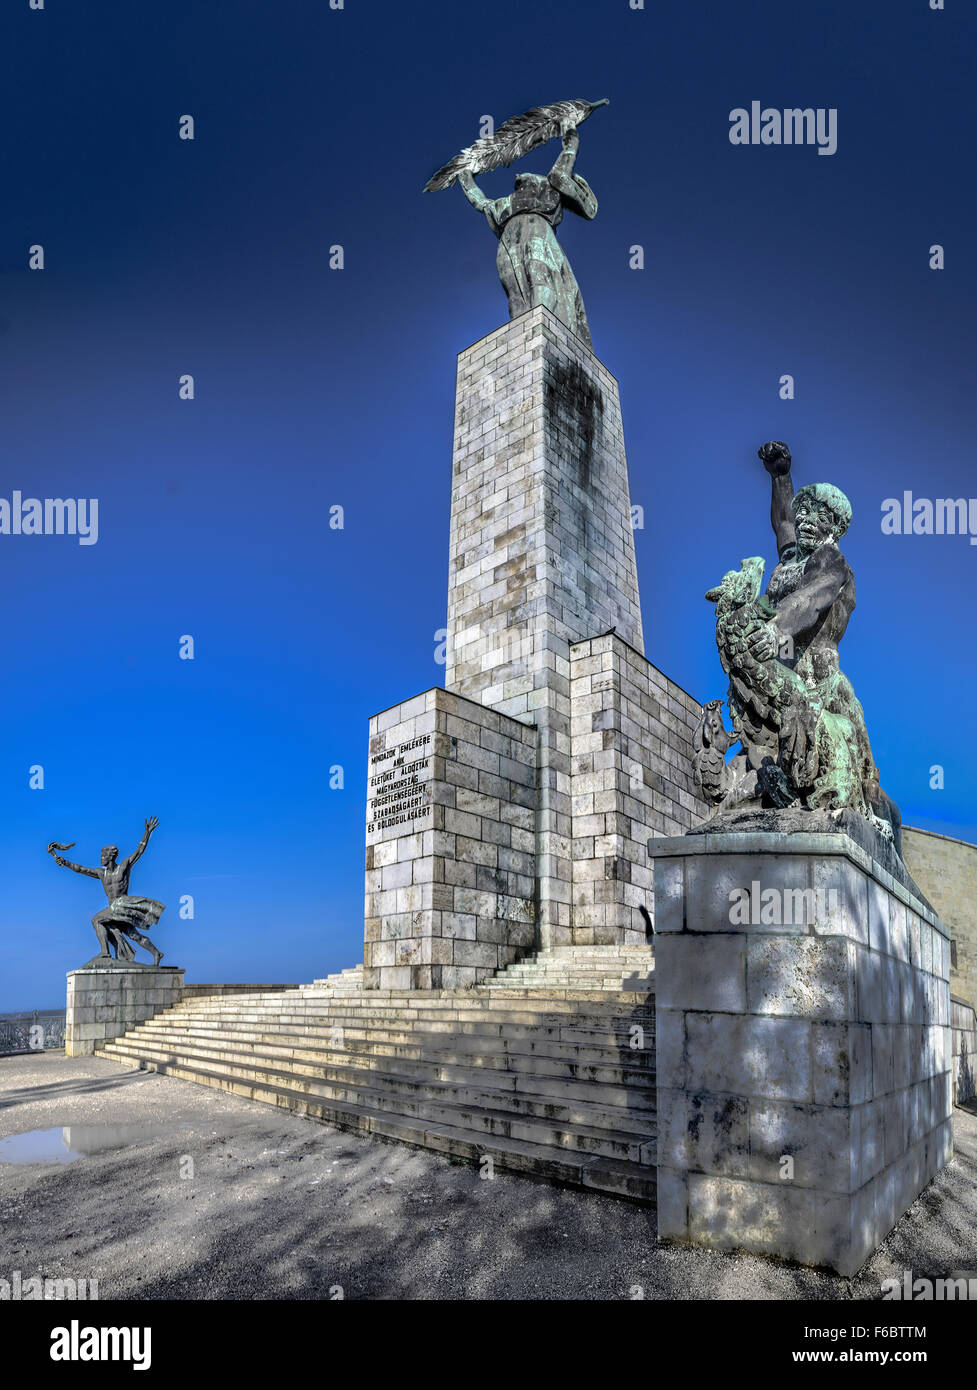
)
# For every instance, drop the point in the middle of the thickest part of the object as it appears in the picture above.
(106, 1000)
(541, 552)
(513, 809)
(803, 1045)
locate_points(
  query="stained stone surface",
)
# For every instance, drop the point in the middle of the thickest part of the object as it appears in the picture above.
(541, 552)
(541, 544)
(106, 1000)
(795, 821)
(451, 847)
(963, 1018)
(544, 629)
(803, 1014)
(631, 734)
(946, 870)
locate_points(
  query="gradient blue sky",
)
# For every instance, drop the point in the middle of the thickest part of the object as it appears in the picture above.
(318, 387)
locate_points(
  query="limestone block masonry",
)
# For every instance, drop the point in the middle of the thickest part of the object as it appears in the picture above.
(531, 829)
(541, 551)
(451, 845)
(946, 871)
(630, 777)
(963, 1018)
(804, 1046)
(104, 1002)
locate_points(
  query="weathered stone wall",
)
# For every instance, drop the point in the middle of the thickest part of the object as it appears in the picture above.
(451, 851)
(105, 1002)
(817, 1030)
(946, 871)
(963, 1019)
(541, 544)
(631, 777)
(541, 552)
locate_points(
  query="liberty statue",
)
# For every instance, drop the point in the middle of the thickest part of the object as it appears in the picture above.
(530, 260)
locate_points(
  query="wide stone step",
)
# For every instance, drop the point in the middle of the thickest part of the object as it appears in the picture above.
(340, 1017)
(632, 1088)
(608, 1036)
(589, 979)
(628, 960)
(537, 1071)
(555, 982)
(485, 997)
(334, 1015)
(489, 1000)
(480, 1112)
(613, 1085)
(407, 1081)
(639, 1121)
(539, 1016)
(569, 1167)
(494, 1048)
(601, 1046)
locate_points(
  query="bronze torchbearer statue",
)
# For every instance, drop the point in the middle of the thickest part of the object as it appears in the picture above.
(123, 921)
(804, 745)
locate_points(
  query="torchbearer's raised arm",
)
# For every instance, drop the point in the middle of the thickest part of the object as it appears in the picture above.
(775, 458)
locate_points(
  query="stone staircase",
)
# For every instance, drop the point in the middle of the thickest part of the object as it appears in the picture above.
(553, 1080)
(349, 981)
(613, 968)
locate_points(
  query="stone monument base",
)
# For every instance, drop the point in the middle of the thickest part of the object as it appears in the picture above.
(105, 998)
(804, 1046)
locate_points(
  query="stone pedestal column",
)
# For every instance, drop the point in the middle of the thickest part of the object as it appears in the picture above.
(803, 1045)
(106, 1000)
(541, 552)
(512, 809)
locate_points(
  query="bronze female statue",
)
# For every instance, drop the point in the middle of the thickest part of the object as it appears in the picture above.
(530, 260)
(531, 264)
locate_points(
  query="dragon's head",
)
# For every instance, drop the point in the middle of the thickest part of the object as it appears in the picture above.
(739, 586)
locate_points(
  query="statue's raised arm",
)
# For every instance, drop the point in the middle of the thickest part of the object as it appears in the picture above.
(775, 457)
(576, 192)
(140, 849)
(491, 207)
(530, 261)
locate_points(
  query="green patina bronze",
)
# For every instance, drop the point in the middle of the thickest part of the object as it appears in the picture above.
(530, 261)
(801, 730)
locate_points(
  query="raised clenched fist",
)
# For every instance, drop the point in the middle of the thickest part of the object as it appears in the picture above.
(775, 458)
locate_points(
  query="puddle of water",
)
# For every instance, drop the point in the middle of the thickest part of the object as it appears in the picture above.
(66, 1143)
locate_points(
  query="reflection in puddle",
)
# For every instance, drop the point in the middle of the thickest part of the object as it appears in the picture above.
(68, 1142)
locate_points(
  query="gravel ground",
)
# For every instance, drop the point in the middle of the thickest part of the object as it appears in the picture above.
(280, 1207)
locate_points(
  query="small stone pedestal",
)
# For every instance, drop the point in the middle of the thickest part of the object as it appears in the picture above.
(105, 1000)
(803, 1045)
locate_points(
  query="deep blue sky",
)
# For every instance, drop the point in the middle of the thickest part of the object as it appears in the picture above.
(318, 387)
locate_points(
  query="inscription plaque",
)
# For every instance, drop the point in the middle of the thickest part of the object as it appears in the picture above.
(398, 785)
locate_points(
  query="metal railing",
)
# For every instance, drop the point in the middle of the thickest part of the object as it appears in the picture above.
(40, 1030)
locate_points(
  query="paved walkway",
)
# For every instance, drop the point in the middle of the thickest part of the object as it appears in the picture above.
(280, 1207)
